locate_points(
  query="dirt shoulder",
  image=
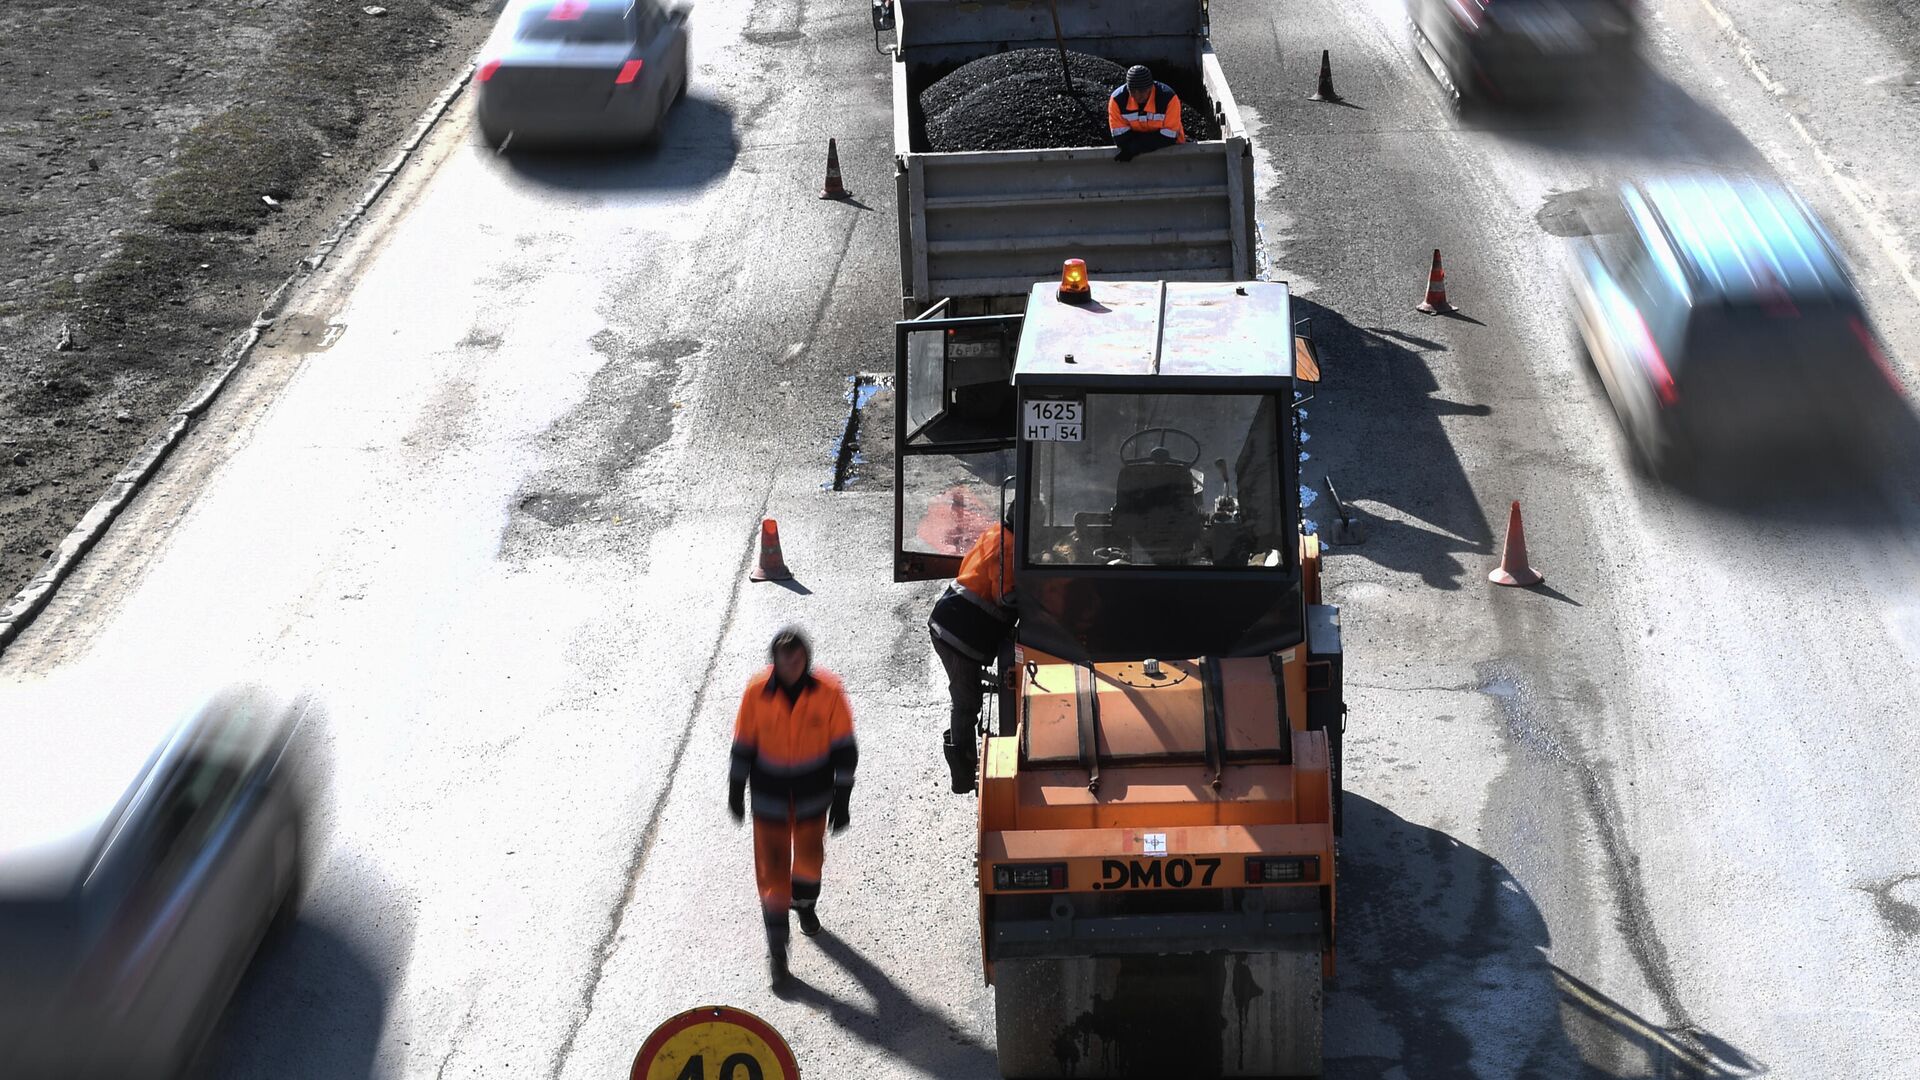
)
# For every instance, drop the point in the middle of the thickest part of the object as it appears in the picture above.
(163, 167)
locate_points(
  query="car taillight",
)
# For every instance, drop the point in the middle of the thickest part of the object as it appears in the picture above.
(1280, 871)
(1656, 364)
(486, 70)
(629, 71)
(567, 10)
(1030, 876)
(1872, 345)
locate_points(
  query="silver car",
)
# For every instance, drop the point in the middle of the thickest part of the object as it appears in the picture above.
(581, 71)
(124, 937)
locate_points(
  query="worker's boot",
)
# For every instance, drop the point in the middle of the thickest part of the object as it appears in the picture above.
(961, 762)
(777, 948)
(809, 921)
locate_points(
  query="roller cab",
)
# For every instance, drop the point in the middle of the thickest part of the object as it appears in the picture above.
(1159, 804)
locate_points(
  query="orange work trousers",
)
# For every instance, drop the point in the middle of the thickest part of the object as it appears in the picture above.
(787, 858)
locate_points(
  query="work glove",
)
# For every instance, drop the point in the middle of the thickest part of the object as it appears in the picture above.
(837, 816)
(737, 799)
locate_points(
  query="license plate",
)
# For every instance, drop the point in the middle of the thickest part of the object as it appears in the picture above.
(1163, 873)
(1054, 419)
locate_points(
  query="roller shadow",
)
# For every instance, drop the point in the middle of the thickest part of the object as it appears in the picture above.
(697, 145)
(898, 1024)
(1443, 970)
(1384, 441)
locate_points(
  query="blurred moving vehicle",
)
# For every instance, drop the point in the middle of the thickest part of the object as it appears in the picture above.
(125, 937)
(1720, 319)
(1525, 51)
(581, 71)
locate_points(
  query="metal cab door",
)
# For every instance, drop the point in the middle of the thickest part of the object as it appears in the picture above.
(954, 416)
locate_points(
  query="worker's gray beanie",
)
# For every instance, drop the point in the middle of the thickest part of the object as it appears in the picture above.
(1139, 77)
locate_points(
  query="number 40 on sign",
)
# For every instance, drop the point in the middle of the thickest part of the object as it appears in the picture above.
(715, 1042)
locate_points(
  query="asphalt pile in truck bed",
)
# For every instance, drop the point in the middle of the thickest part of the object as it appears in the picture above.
(1017, 101)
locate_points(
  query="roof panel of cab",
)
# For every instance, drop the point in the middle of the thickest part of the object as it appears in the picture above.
(1171, 330)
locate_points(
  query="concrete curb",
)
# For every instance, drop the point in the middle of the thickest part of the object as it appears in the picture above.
(29, 602)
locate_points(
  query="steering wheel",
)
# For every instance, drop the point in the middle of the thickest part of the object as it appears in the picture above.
(1129, 454)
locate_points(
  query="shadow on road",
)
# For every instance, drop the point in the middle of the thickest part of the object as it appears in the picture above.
(697, 146)
(1867, 493)
(1641, 120)
(1444, 972)
(897, 1024)
(1382, 430)
(315, 1003)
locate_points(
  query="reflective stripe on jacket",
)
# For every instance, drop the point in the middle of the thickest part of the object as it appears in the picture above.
(1160, 112)
(794, 751)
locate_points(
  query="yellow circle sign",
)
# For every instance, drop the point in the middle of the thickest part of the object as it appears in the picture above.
(715, 1042)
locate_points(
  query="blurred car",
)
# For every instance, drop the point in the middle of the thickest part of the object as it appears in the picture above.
(1722, 323)
(126, 931)
(581, 71)
(1524, 51)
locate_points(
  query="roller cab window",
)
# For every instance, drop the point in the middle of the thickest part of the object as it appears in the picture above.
(1189, 480)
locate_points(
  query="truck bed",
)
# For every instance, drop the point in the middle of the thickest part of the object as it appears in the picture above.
(981, 227)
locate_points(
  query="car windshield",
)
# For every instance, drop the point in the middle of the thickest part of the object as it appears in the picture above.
(573, 22)
(1188, 480)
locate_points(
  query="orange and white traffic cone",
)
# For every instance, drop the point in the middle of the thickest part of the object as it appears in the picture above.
(1513, 568)
(1436, 301)
(834, 189)
(772, 565)
(1324, 90)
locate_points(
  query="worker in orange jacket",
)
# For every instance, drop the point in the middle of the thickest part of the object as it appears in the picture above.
(969, 624)
(793, 743)
(1143, 115)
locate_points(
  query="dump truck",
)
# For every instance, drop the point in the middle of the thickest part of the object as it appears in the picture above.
(1159, 789)
(976, 228)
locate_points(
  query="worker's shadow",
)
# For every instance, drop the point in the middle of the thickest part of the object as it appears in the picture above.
(899, 1024)
(1445, 963)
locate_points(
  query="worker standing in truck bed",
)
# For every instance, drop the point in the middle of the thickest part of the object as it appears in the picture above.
(1143, 115)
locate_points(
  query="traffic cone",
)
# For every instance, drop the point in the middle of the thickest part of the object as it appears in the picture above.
(1513, 568)
(833, 188)
(772, 565)
(1436, 301)
(1324, 91)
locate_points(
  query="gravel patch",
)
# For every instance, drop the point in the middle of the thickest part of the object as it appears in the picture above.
(163, 166)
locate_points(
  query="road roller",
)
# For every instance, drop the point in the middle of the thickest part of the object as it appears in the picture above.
(1159, 785)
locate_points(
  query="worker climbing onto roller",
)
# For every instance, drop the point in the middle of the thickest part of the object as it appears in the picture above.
(1143, 115)
(793, 739)
(970, 622)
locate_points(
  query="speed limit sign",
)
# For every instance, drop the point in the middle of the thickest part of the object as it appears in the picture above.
(715, 1042)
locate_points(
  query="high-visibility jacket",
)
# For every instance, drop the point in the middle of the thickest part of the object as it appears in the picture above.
(986, 572)
(976, 611)
(794, 750)
(1159, 112)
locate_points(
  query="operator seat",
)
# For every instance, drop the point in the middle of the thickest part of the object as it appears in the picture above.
(1155, 505)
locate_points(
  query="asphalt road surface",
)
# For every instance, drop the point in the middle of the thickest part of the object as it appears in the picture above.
(494, 486)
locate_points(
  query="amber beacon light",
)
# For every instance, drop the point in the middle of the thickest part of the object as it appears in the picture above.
(1073, 283)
